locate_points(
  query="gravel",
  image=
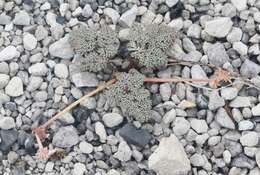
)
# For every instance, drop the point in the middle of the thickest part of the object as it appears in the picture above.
(66, 137)
(112, 119)
(14, 87)
(8, 53)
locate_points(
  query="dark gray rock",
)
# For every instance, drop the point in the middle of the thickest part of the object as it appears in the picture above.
(8, 138)
(217, 54)
(243, 161)
(135, 136)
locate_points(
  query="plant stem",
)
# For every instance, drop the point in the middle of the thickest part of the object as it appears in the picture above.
(173, 79)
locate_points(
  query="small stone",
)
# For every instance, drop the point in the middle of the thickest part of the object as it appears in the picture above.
(256, 110)
(34, 83)
(61, 49)
(169, 116)
(240, 102)
(22, 18)
(49, 167)
(169, 158)
(227, 156)
(171, 3)
(100, 131)
(4, 19)
(12, 157)
(7, 123)
(194, 31)
(67, 118)
(243, 161)
(198, 73)
(249, 69)
(85, 79)
(87, 11)
(257, 158)
(124, 153)
(112, 14)
(8, 53)
(215, 101)
(176, 24)
(197, 160)
(250, 138)
(85, 147)
(229, 93)
(61, 70)
(200, 126)
(4, 68)
(165, 91)
(4, 79)
(240, 4)
(235, 35)
(257, 17)
(15, 87)
(223, 119)
(217, 54)
(128, 18)
(38, 69)
(148, 17)
(218, 27)
(240, 47)
(29, 41)
(41, 33)
(79, 169)
(132, 135)
(8, 138)
(112, 119)
(180, 126)
(66, 137)
(245, 125)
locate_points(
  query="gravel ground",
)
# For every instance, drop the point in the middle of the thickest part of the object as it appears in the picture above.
(192, 131)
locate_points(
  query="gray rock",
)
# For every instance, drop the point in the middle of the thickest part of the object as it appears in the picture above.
(8, 138)
(256, 110)
(240, 47)
(29, 41)
(239, 4)
(249, 138)
(61, 70)
(215, 101)
(4, 98)
(4, 19)
(198, 73)
(171, 3)
(49, 167)
(34, 83)
(193, 56)
(4, 68)
(101, 131)
(124, 153)
(228, 10)
(188, 45)
(229, 93)
(87, 11)
(169, 158)
(79, 169)
(223, 119)
(243, 161)
(240, 102)
(12, 157)
(257, 158)
(22, 18)
(8, 53)
(176, 24)
(128, 18)
(38, 69)
(112, 119)
(194, 31)
(67, 118)
(15, 87)
(112, 14)
(7, 123)
(84, 79)
(218, 27)
(165, 91)
(4, 79)
(148, 17)
(85, 147)
(61, 49)
(41, 33)
(40, 96)
(180, 126)
(36, 58)
(200, 126)
(217, 54)
(249, 69)
(66, 137)
(245, 125)
(197, 160)
(169, 116)
(235, 35)
(257, 17)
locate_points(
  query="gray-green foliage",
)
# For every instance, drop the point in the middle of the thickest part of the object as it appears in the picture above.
(148, 44)
(94, 47)
(128, 93)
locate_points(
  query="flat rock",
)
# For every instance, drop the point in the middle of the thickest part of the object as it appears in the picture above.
(219, 27)
(38, 69)
(132, 135)
(61, 70)
(229, 93)
(240, 102)
(169, 158)
(243, 161)
(8, 53)
(61, 48)
(85, 79)
(66, 137)
(22, 18)
(223, 119)
(217, 54)
(15, 87)
(101, 131)
(8, 138)
(112, 119)
(200, 126)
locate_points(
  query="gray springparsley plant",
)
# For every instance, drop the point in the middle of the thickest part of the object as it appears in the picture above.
(128, 93)
(94, 47)
(148, 44)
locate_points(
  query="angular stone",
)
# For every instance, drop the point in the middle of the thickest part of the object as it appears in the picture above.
(22, 18)
(217, 54)
(61, 49)
(128, 18)
(219, 27)
(8, 138)
(250, 138)
(223, 119)
(256, 110)
(14, 87)
(8, 53)
(29, 41)
(7, 123)
(243, 161)
(240, 102)
(112, 119)
(66, 137)
(38, 69)
(249, 69)
(112, 14)
(169, 158)
(124, 152)
(85, 79)
(4, 79)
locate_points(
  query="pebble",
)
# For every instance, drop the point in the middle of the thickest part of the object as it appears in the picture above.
(134, 136)
(243, 161)
(61, 70)
(124, 152)
(256, 110)
(229, 93)
(112, 14)
(198, 73)
(127, 19)
(257, 158)
(245, 125)
(240, 4)
(85, 79)
(169, 158)
(41, 33)
(49, 167)
(169, 116)
(217, 54)
(38, 69)
(112, 119)
(8, 53)
(7, 123)
(197, 160)
(194, 31)
(218, 27)
(67, 119)
(22, 18)
(8, 138)
(86, 12)
(101, 131)
(61, 49)
(4, 79)
(249, 69)
(240, 102)
(66, 137)
(227, 157)
(215, 101)
(200, 126)
(15, 87)
(235, 35)
(85, 147)
(171, 3)
(79, 169)
(223, 119)
(34, 83)
(181, 126)
(240, 47)
(4, 19)
(29, 41)
(250, 138)
(165, 91)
